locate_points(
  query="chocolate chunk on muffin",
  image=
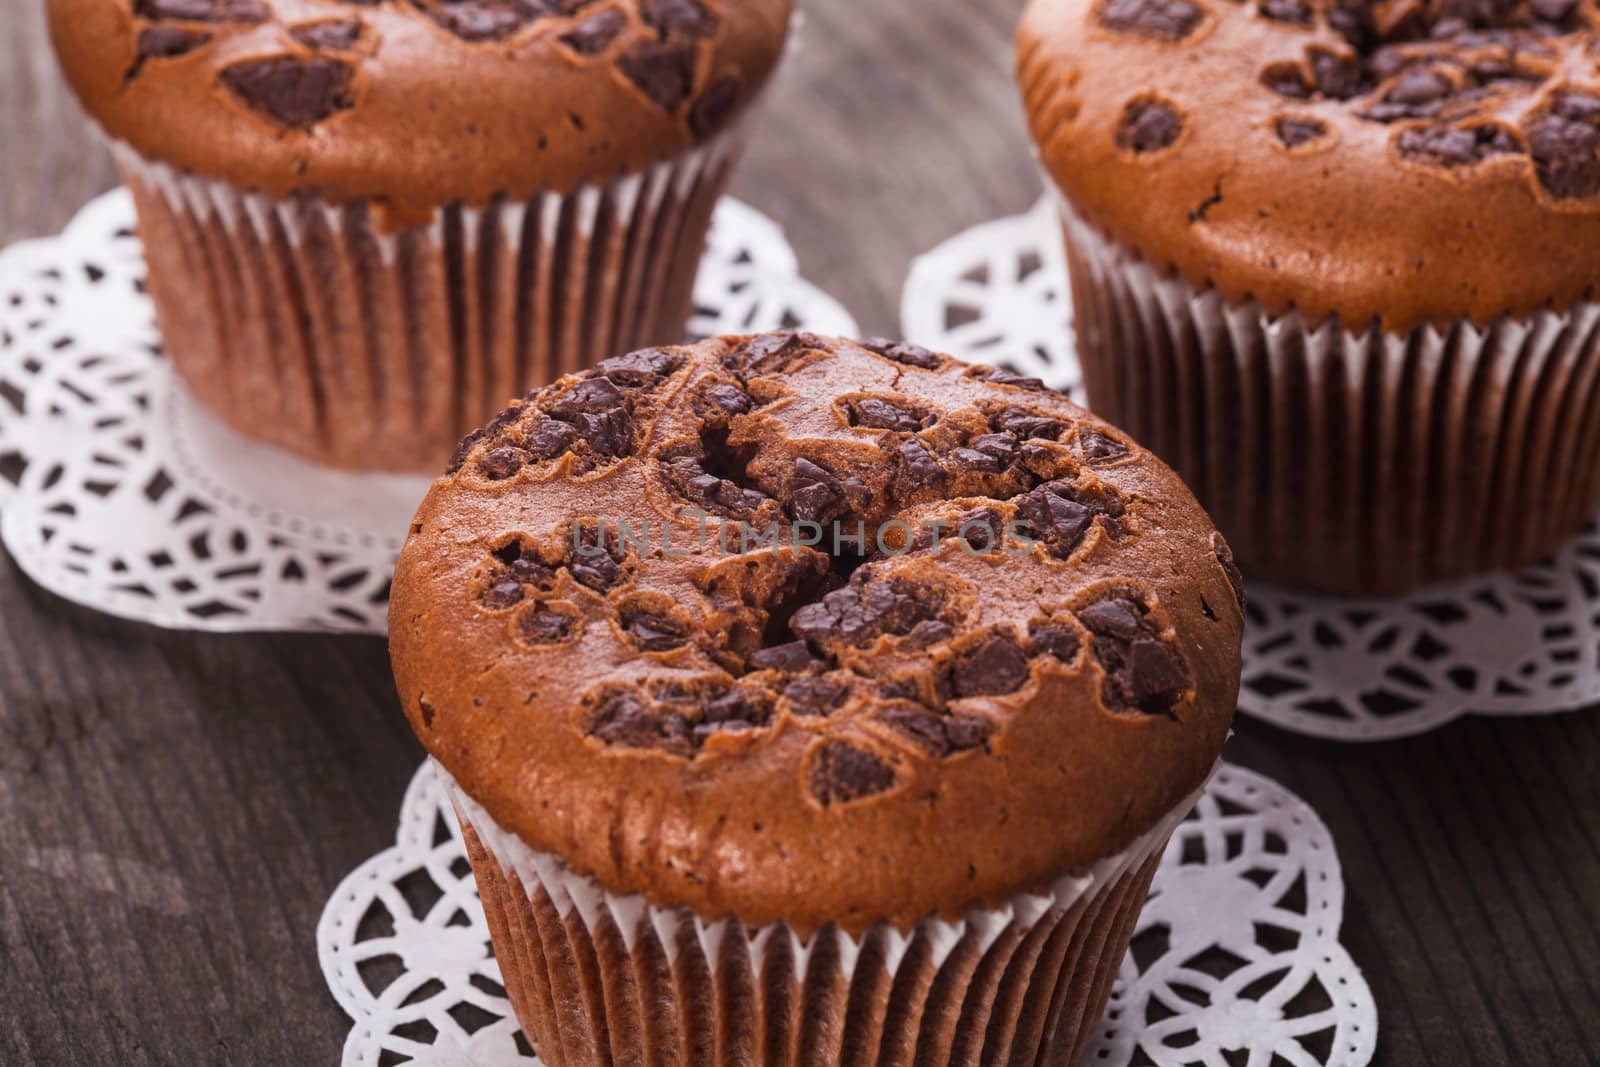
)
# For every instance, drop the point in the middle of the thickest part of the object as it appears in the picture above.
(844, 644)
(1334, 262)
(367, 223)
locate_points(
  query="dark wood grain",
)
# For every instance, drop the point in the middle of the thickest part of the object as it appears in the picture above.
(175, 808)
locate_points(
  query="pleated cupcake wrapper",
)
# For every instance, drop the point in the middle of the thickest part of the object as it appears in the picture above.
(1357, 461)
(596, 977)
(305, 324)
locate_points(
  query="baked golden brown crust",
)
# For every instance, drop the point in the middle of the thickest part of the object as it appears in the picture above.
(787, 734)
(1409, 161)
(415, 102)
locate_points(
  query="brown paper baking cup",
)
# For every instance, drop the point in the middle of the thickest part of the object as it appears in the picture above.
(598, 978)
(304, 324)
(1364, 463)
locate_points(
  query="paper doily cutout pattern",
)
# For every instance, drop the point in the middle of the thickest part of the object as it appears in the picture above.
(119, 492)
(1236, 953)
(1354, 670)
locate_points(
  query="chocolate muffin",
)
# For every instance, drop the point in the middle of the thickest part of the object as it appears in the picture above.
(813, 701)
(1335, 261)
(369, 221)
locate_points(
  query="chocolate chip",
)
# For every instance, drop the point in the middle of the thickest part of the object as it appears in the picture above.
(594, 564)
(483, 20)
(501, 595)
(713, 107)
(654, 632)
(864, 610)
(1292, 11)
(738, 707)
(1002, 376)
(592, 395)
(294, 90)
(966, 732)
(644, 369)
(1552, 10)
(1336, 76)
(459, 456)
(970, 459)
(1386, 62)
(594, 34)
(336, 35)
(609, 433)
(1097, 447)
(1148, 125)
(245, 11)
(1287, 79)
(1001, 446)
(545, 627)
(1053, 639)
(994, 667)
(167, 42)
(1352, 20)
(531, 571)
(927, 633)
(1164, 20)
(1229, 568)
(1449, 146)
(502, 419)
(769, 352)
(550, 438)
(662, 72)
(624, 719)
(1418, 86)
(729, 400)
(901, 352)
(940, 735)
(1044, 461)
(1156, 675)
(877, 414)
(1579, 107)
(980, 531)
(688, 18)
(1025, 424)
(721, 496)
(1118, 618)
(842, 772)
(1293, 131)
(814, 494)
(1564, 152)
(917, 467)
(792, 658)
(501, 463)
(815, 696)
(1141, 671)
(1060, 514)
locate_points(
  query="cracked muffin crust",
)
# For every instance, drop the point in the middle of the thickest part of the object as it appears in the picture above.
(342, 98)
(807, 630)
(1404, 162)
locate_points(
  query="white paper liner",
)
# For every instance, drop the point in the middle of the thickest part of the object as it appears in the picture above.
(120, 492)
(1356, 461)
(1236, 951)
(1519, 643)
(305, 324)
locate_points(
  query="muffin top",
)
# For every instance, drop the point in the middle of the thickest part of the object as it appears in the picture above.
(1409, 161)
(794, 628)
(416, 102)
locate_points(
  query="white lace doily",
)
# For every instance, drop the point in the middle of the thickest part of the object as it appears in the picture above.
(119, 492)
(1236, 958)
(1509, 644)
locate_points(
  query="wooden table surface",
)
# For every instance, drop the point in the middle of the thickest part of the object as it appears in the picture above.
(175, 808)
